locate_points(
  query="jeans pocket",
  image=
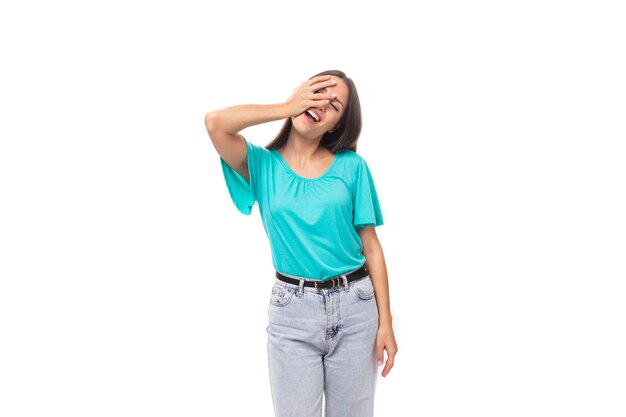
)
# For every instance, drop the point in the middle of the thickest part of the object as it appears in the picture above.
(365, 290)
(281, 295)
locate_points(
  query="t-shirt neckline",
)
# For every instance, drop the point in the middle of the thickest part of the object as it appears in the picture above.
(292, 172)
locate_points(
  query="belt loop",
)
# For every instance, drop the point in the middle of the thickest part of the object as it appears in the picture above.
(301, 287)
(345, 282)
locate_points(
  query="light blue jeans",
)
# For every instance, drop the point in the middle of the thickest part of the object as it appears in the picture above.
(322, 341)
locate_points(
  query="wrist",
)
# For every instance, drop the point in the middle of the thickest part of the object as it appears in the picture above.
(283, 110)
(385, 320)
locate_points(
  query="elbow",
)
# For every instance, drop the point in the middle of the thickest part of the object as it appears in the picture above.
(371, 251)
(214, 121)
(210, 121)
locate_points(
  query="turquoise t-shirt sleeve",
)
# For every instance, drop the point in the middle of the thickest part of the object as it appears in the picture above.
(242, 193)
(365, 200)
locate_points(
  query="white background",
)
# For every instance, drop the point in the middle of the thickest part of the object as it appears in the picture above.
(132, 286)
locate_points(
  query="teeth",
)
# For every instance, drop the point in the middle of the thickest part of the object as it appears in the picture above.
(313, 115)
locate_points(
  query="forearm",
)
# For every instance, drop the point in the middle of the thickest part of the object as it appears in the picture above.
(375, 263)
(234, 119)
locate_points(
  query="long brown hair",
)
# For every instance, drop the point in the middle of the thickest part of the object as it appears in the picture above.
(348, 129)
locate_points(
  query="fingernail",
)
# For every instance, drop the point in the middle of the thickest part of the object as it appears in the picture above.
(380, 363)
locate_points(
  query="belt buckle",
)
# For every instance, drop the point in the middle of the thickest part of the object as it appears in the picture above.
(315, 284)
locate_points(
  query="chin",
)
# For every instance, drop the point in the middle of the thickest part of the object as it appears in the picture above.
(302, 126)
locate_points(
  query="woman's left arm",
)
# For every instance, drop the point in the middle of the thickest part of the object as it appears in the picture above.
(375, 263)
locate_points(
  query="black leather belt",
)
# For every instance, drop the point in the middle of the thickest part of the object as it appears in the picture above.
(333, 282)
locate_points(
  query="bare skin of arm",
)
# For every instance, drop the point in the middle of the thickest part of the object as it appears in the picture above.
(224, 125)
(375, 263)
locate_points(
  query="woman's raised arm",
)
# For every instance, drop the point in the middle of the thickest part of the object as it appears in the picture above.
(224, 125)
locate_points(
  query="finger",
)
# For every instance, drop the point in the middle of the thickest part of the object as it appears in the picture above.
(391, 356)
(324, 95)
(322, 90)
(388, 366)
(318, 103)
(318, 79)
(321, 99)
(329, 83)
(323, 85)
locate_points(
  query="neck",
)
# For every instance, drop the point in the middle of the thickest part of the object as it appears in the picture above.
(301, 149)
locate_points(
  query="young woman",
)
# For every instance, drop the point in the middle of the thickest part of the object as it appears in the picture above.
(329, 315)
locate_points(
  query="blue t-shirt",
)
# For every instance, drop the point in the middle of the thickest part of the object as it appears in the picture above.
(311, 223)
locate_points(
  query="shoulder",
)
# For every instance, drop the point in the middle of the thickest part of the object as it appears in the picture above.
(353, 161)
(351, 156)
(352, 167)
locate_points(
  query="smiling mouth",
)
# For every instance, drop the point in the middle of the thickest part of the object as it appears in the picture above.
(311, 116)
